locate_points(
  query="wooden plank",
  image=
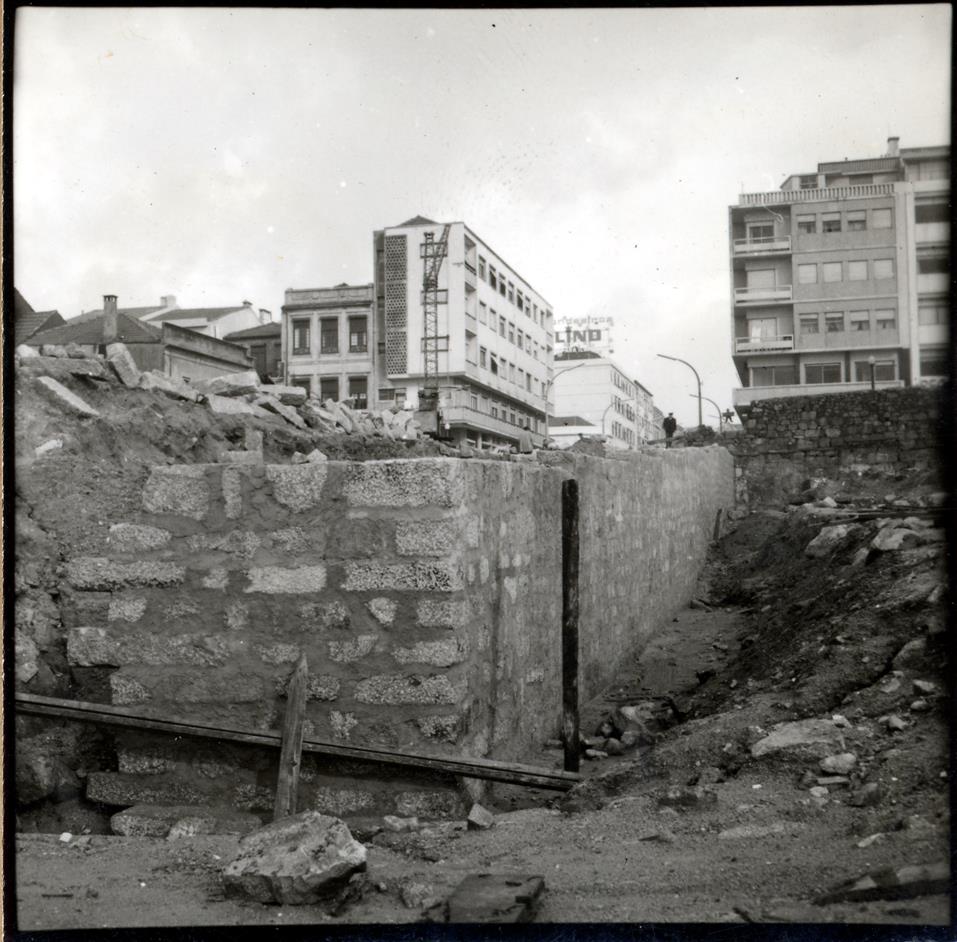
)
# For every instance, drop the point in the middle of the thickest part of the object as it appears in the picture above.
(290, 754)
(490, 897)
(488, 769)
(570, 721)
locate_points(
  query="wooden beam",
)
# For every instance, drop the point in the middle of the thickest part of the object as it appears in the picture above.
(290, 753)
(570, 721)
(489, 769)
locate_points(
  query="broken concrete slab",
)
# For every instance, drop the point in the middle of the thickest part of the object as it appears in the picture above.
(221, 405)
(123, 363)
(479, 819)
(892, 883)
(816, 734)
(287, 412)
(490, 897)
(230, 384)
(287, 395)
(63, 367)
(295, 861)
(69, 399)
(181, 821)
(828, 539)
(155, 381)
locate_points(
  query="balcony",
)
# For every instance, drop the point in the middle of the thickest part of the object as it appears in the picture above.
(933, 283)
(767, 245)
(749, 394)
(469, 277)
(816, 195)
(763, 344)
(748, 295)
(934, 233)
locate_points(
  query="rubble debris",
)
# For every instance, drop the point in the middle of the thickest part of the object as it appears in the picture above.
(798, 734)
(480, 819)
(697, 797)
(71, 400)
(26, 352)
(53, 444)
(295, 861)
(490, 898)
(272, 404)
(829, 539)
(839, 763)
(287, 395)
(223, 405)
(230, 384)
(181, 821)
(175, 389)
(123, 363)
(395, 823)
(891, 883)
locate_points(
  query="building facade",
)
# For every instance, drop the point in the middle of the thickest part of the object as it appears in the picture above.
(327, 342)
(575, 334)
(491, 346)
(840, 278)
(264, 345)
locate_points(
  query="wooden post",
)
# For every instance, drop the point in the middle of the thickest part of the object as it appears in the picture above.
(293, 728)
(570, 726)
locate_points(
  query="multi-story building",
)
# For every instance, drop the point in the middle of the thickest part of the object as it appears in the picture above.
(264, 345)
(326, 342)
(595, 389)
(492, 343)
(840, 277)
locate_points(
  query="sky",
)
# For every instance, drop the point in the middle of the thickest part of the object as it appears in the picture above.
(227, 154)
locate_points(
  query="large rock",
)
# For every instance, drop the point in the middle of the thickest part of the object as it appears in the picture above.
(896, 538)
(181, 821)
(287, 412)
(295, 861)
(66, 398)
(122, 361)
(287, 395)
(223, 405)
(809, 735)
(160, 382)
(230, 384)
(828, 539)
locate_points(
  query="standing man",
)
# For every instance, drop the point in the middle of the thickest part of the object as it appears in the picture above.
(525, 446)
(669, 425)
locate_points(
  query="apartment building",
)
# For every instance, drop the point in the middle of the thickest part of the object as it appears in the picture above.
(491, 346)
(598, 393)
(327, 344)
(840, 278)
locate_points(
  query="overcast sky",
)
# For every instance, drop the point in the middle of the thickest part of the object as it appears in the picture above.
(220, 154)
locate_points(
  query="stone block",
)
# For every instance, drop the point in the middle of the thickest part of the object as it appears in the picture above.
(91, 646)
(123, 363)
(222, 405)
(299, 860)
(443, 613)
(383, 610)
(230, 384)
(396, 689)
(127, 690)
(298, 487)
(53, 444)
(891, 539)
(430, 804)
(178, 489)
(181, 821)
(66, 398)
(271, 404)
(278, 653)
(241, 457)
(115, 788)
(98, 572)
(427, 537)
(354, 650)
(132, 537)
(324, 615)
(340, 801)
(154, 381)
(26, 658)
(232, 493)
(829, 539)
(277, 579)
(423, 577)
(442, 727)
(242, 543)
(406, 483)
(443, 653)
(288, 395)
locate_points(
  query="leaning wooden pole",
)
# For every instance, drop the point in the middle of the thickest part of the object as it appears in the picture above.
(570, 725)
(290, 755)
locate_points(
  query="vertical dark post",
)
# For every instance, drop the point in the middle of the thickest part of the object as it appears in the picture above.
(570, 733)
(293, 727)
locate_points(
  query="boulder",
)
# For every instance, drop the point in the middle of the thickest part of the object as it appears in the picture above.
(26, 352)
(74, 350)
(838, 764)
(891, 539)
(801, 734)
(122, 362)
(53, 350)
(298, 860)
(272, 404)
(828, 539)
(479, 819)
(230, 384)
(287, 395)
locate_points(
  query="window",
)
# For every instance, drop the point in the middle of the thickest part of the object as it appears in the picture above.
(931, 212)
(534, 312)
(762, 328)
(857, 221)
(831, 222)
(501, 326)
(520, 300)
(493, 364)
(883, 268)
(300, 335)
(773, 376)
(501, 286)
(492, 277)
(494, 412)
(481, 268)
(329, 335)
(386, 395)
(483, 312)
(303, 382)
(833, 323)
(400, 395)
(809, 182)
(329, 388)
(528, 343)
(807, 225)
(528, 382)
(807, 274)
(932, 265)
(520, 339)
(857, 270)
(473, 402)
(886, 319)
(933, 362)
(860, 320)
(883, 370)
(810, 324)
(511, 418)
(760, 232)
(521, 377)
(511, 332)
(359, 391)
(881, 219)
(483, 357)
(830, 271)
(511, 372)
(932, 312)
(822, 373)
(358, 338)
(511, 292)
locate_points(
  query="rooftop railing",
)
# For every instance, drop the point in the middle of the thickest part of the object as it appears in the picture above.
(816, 194)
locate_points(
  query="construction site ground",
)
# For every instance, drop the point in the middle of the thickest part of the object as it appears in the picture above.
(690, 826)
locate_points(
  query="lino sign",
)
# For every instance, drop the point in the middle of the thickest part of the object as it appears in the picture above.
(577, 334)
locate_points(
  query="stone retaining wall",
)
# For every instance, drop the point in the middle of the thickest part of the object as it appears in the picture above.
(426, 595)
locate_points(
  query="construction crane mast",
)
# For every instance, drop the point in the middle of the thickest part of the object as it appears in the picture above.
(433, 253)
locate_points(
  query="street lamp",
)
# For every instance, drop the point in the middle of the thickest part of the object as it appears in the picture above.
(717, 407)
(605, 413)
(550, 382)
(872, 363)
(696, 376)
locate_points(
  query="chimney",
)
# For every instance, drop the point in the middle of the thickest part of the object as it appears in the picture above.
(109, 318)
(892, 147)
(247, 303)
(265, 315)
(168, 300)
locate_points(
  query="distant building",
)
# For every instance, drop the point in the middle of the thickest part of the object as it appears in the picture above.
(645, 413)
(27, 322)
(173, 350)
(841, 277)
(167, 303)
(596, 389)
(327, 344)
(492, 344)
(565, 430)
(213, 321)
(264, 345)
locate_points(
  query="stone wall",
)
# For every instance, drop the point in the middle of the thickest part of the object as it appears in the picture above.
(790, 440)
(425, 594)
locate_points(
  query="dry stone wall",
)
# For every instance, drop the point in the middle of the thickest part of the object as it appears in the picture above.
(425, 594)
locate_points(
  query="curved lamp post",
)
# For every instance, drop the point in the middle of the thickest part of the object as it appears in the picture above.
(605, 413)
(696, 376)
(717, 407)
(550, 382)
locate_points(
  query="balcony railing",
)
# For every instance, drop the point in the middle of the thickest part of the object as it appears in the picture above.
(749, 394)
(764, 245)
(766, 293)
(763, 344)
(816, 195)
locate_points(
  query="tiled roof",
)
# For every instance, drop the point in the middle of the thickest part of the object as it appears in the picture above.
(90, 332)
(136, 312)
(272, 329)
(27, 322)
(195, 313)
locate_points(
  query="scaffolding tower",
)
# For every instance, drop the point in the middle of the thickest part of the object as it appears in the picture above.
(433, 252)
